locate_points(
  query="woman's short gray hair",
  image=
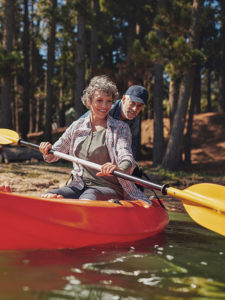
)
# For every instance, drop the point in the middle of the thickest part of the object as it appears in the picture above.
(102, 84)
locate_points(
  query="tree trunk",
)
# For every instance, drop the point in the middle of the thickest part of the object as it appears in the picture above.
(50, 72)
(130, 37)
(36, 71)
(222, 69)
(26, 74)
(33, 59)
(173, 98)
(188, 138)
(172, 157)
(16, 105)
(195, 104)
(209, 100)
(196, 91)
(80, 63)
(8, 31)
(62, 108)
(94, 38)
(158, 143)
(37, 113)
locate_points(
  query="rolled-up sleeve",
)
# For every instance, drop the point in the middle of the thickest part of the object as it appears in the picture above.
(123, 145)
(62, 144)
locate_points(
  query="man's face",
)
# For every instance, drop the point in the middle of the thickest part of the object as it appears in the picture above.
(130, 109)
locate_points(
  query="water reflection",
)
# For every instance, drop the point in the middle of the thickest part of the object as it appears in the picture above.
(185, 262)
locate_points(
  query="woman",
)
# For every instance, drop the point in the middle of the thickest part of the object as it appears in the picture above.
(101, 139)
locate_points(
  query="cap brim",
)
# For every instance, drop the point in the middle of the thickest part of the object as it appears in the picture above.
(136, 99)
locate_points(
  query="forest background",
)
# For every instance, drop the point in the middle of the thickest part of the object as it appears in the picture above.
(50, 49)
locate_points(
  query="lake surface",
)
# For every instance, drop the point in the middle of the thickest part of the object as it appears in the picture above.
(185, 262)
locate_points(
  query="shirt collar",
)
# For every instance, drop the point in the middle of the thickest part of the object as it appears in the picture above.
(86, 124)
(116, 110)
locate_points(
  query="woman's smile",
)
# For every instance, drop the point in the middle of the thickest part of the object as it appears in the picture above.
(100, 105)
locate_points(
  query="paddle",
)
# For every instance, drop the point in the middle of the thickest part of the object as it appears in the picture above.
(204, 202)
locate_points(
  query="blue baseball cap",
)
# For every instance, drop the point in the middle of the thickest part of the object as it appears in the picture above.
(137, 93)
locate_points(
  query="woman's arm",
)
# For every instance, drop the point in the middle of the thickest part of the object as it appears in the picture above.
(61, 145)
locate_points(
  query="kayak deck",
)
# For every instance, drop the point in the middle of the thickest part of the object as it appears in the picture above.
(39, 223)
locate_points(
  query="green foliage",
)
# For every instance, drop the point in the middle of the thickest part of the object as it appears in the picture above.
(153, 38)
(139, 54)
(131, 37)
(9, 61)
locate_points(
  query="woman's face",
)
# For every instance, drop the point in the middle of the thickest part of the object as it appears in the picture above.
(100, 105)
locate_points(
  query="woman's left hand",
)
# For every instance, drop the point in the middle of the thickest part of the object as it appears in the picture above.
(107, 169)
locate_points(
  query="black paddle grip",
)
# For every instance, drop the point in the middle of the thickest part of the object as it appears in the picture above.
(29, 145)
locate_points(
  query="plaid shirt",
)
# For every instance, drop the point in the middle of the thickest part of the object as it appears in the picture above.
(118, 142)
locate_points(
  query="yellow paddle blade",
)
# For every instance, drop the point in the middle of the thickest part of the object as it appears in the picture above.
(203, 194)
(207, 217)
(8, 136)
(205, 203)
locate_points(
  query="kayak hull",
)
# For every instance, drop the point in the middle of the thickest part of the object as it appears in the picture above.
(38, 223)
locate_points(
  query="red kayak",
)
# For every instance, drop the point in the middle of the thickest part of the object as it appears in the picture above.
(38, 223)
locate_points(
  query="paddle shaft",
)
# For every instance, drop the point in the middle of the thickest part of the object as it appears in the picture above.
(186, 196)
(147, 184)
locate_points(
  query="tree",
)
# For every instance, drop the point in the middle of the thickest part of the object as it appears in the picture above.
(80, 58)
(158, 142)
(174, 86)
(195, 103)
(37, 73)
(172, 157)
(50, 71)
(46, 64)
(26, 73)
(222, 69)
(6, 76)
(210, 64)
(94, 38)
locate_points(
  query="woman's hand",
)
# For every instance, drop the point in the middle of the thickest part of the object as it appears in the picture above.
(5, 188)
(44, 148)
(107, 169)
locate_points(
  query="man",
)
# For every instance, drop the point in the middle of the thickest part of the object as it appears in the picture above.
(128, 108)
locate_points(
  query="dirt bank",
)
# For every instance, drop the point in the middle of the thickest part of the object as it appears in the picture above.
(208, 141)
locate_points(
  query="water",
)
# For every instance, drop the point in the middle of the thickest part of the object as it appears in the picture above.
(185, 262)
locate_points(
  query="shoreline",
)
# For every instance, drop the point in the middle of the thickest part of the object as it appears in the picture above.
(35, 178)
